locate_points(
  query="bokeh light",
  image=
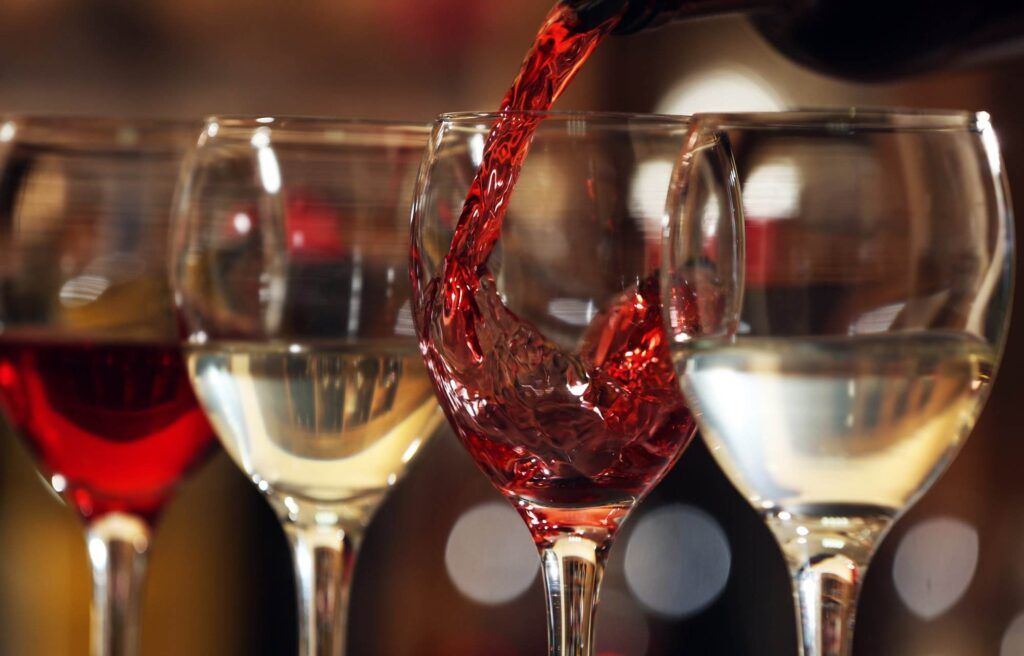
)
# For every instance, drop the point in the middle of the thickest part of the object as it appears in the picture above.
(647, 194)
(935, 564)
(490, 556)
(772, 191)
(723, 89)
(677, 560)
(1013, 639)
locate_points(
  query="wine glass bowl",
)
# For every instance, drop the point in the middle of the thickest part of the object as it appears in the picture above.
(853, 273)
(91, 373)
(550, 358)
(291, 274)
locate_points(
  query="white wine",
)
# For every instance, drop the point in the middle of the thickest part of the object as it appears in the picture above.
(324, 422)
(836, 422)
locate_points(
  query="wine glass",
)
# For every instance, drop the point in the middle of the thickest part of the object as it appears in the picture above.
(838, 289)
(550, 357)
(91, 372)
(291, 275)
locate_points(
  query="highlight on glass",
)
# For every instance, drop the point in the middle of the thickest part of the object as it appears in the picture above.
(91, 371)
(291, 276)
(837, 289)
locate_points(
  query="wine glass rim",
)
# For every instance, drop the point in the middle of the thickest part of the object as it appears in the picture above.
(232, 130)
(308, 124)
(589, 117)
(869, 119)
(106, 132)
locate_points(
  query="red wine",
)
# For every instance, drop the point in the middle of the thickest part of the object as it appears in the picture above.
(574, 438)
(560, 50)
(118, 422)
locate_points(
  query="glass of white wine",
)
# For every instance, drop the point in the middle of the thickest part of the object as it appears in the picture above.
(291, 279)
(837, 289)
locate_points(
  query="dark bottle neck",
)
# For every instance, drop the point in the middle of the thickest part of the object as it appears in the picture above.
(854, 39)
(640, 15)
(879, 39)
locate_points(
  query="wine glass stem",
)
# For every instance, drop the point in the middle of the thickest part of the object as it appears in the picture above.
(828, 557)
(573, 567)
(324, 560)
(826, 595)
(118, 549)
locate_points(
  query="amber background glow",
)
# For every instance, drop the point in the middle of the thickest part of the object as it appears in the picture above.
(441, 574)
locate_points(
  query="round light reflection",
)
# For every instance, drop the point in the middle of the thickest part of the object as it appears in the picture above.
(489, 556)
(677, 560)
(935, 564)
(1013, 639)
(772, 190)
(731, 89)
(647, 193)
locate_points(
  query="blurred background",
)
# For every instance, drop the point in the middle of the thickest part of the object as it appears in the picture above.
(447, 568)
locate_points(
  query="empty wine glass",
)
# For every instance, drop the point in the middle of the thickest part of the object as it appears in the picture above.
(549, 355)
(291, 271)
(91, 373)
(838, 288)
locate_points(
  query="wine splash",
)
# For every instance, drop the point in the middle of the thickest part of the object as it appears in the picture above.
(574, 438)
(560, 50)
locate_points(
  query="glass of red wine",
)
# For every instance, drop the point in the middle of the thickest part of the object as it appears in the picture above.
(291, 273)
(542, 332)
(837, 291)
(91, 371)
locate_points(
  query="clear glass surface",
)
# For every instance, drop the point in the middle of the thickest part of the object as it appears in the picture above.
(91, 373)
(550, 357)
(838, 291)
(291, 276)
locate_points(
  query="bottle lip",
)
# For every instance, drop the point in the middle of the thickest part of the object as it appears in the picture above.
(629, 15)
(854, 119)
(640, 16)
